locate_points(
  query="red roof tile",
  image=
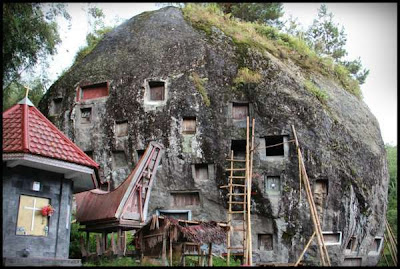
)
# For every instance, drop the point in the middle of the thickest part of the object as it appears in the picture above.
(26, 129)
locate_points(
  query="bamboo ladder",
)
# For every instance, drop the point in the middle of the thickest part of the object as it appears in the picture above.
(325, 261)
(239, 188)
(391, 242)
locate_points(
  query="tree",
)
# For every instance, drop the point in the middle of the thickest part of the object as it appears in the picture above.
(16, 91)
(354, 68)
(29, 34)
(325, 37)
(268, 13)
(95, 17)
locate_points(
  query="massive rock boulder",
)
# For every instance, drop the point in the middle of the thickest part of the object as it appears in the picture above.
(156, 77)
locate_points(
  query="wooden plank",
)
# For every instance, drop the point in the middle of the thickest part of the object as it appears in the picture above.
(236, 169)
(210, 262)
(83, 248)
(233, 160)
(164, 249)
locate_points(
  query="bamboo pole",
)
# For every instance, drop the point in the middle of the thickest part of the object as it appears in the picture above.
(164, 249)
(314, 214)
(170, 248)
(249, 240)
(210, 258)
(248, 237)
(304, 250)
(228, 257)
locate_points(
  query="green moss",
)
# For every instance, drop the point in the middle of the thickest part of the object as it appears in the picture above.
(321, 95)
(199, 84)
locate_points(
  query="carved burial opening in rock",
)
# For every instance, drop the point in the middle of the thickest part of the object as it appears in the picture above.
(121, 128)
(119, 159)
(239, 149)
(177, 214)
(186, 198)
(240, 111)
(271, 149)
(201, 171)
(86, 115)
(265, 242)
(376, 245)
(272, 185)
(157, 90)
(332, 238)
(56, 106)
(351, 245)
(320, 193)
(189, 125)
(352, 262)
(94, 91)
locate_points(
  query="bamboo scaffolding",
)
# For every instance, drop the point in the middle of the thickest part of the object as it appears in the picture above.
(245, 191)
(314, 214)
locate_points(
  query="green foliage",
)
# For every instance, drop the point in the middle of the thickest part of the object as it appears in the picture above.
(75, 249)
(321, 95)
(121, 261)
(350, 84)
(75, 237)
(391, 214)
(392, 192)
(92, 40)
(262, 12)
(199, 83)
(247, 76)
(354, 67)
(16, 91)
(325, 36)
(29, 35)
(266, 38)
(218, 261)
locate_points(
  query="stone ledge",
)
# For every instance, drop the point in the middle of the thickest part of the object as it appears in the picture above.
(15, 261)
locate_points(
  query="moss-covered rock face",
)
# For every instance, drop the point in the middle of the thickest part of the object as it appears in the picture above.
(339, 137)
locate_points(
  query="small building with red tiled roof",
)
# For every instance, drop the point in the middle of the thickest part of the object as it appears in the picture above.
(42, 169)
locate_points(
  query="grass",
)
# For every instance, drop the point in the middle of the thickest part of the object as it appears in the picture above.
(321, 95)
(247, 76)
(123, 261)
(199, 84)
(268, 39)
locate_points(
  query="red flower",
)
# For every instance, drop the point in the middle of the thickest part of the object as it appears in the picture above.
(47, 210)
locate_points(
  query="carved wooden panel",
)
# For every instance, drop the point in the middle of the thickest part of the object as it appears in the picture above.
(185, 198)
(240, 111)
(189, 126)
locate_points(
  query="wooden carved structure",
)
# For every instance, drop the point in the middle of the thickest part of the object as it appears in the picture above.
(174, 239)
(122, 209)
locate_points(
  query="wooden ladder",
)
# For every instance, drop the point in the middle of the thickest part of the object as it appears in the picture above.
(239, 202)
(325, 261)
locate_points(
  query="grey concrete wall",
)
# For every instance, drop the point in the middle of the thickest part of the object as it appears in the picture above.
(18, 181)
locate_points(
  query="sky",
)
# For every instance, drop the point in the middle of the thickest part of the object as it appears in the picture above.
(371, 30)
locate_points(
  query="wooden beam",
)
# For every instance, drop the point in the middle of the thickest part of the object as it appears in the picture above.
(164, 249)
(210, 257)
